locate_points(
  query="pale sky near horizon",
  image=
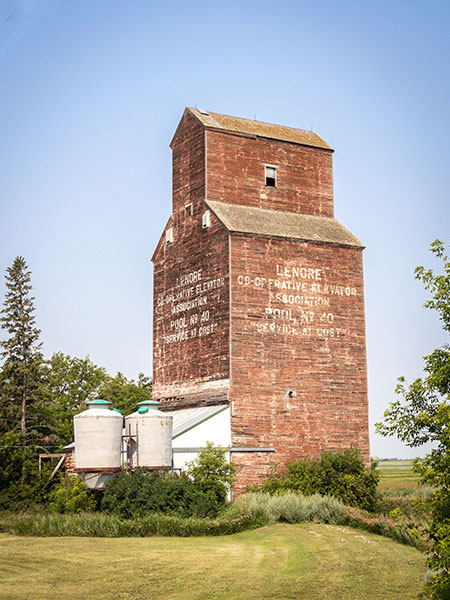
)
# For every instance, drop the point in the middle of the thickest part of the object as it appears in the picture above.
(91, 94)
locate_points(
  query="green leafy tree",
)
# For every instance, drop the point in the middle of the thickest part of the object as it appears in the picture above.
(24, 409)
(212, 473)
(72, 381)
(39, 398)
(421, 415)
(126, 393)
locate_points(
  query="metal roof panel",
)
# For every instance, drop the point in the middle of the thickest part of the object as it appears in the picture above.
(188, 418)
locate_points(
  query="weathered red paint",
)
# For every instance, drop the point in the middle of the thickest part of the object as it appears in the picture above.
(286, 344)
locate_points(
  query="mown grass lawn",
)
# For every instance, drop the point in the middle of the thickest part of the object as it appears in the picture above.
(281, 562)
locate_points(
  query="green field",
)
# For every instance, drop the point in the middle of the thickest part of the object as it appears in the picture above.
(281, 561)
(397, 474)
(394, 463)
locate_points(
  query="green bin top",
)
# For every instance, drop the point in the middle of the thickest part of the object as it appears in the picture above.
(149, 403)
(98, 402)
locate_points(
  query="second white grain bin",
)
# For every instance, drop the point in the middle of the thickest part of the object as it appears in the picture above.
(98, 442)
(151, 433)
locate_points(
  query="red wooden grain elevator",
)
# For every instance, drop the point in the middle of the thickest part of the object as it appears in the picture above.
(258, 293)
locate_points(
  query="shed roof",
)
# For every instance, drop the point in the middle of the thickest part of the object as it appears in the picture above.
(259, 128)
(185, 419)
(271, 223)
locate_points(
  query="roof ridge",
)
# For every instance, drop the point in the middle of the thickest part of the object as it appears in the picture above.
(210, 113)
(253, 127)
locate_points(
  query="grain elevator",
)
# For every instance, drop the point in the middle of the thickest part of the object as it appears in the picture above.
(258, 293)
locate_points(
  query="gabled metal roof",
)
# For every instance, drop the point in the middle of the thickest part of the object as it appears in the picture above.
(259, 128)
(185, 419)
(275, 223)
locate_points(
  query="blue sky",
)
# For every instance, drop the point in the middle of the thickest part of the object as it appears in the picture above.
(91, 94)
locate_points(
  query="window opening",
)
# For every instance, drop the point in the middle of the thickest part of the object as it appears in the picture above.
(188, 211)
(271, 176)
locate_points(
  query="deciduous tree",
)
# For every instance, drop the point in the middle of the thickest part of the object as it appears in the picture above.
(72, 382)
(126, 393)
(421, 415)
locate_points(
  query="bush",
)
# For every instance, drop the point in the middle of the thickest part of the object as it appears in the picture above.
(212, 474)
(201, 491)
(72, 498)
(142, 492)
(341, 474)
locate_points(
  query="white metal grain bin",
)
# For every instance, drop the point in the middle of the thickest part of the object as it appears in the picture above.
(98, 437)
(152, 431)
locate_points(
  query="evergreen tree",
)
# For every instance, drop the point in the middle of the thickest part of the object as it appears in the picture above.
(25, 418)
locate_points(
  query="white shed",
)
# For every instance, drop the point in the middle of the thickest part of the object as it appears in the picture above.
(194, 427)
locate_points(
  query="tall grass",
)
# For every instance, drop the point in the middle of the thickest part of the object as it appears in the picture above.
(423, 491)
(405, 533)
(295, 508)
(292, 507)
(155, 524)
(250, 511)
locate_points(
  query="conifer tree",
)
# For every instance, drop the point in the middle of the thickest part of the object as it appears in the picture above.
(24, 416)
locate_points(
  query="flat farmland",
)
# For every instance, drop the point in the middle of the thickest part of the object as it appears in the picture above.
(397, 474)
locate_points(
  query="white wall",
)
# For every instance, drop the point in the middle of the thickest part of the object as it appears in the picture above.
(217, 429)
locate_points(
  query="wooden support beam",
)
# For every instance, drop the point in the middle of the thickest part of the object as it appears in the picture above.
(41, 456)
(51, 455)
(55, 470)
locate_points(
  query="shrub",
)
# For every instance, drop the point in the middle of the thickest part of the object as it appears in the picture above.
(212, 474)
(341, 474)
(201, 491)
(140, 493)
(72, 498)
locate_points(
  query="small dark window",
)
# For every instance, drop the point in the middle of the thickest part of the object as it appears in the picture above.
(271, 176)
(188, 211)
